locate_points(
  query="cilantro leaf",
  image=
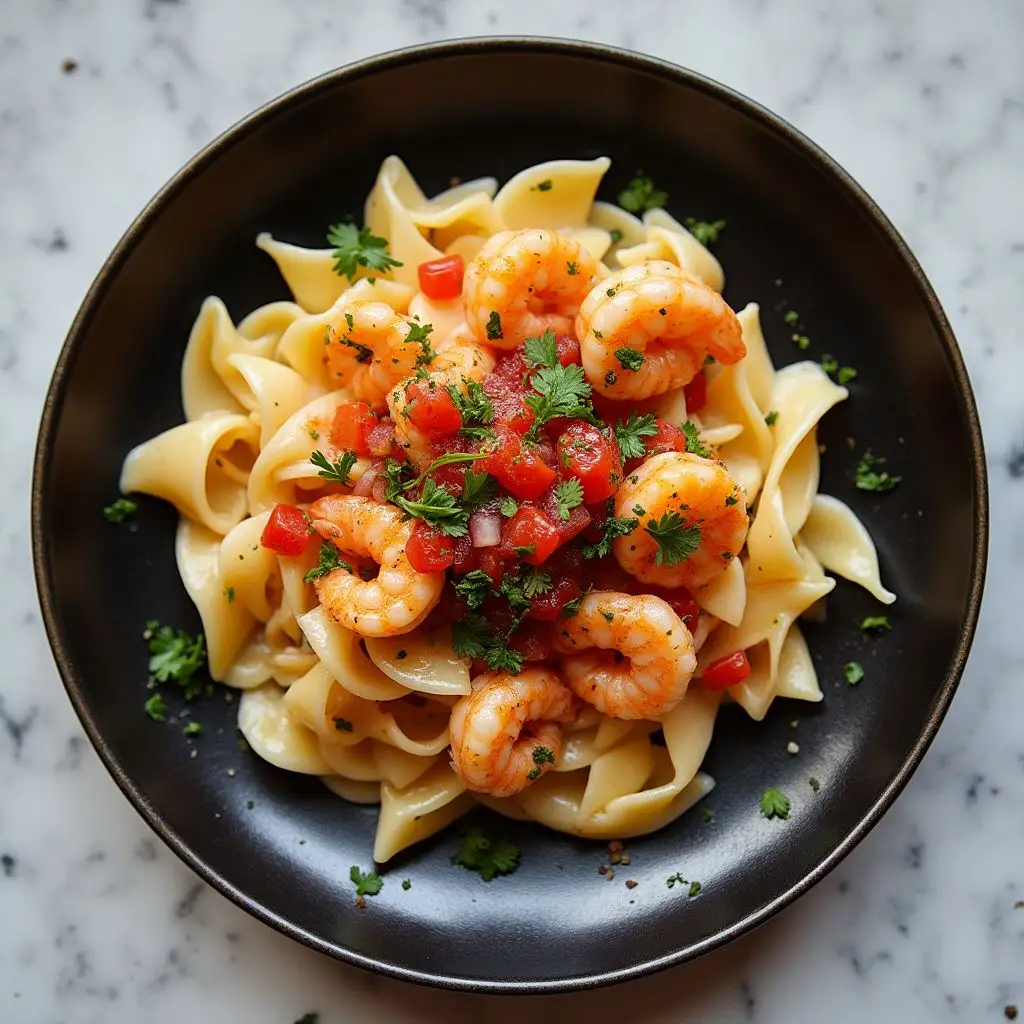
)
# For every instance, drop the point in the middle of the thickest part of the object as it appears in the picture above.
(156, 707)
(801, 341)
(474, 588)
(419, 334)
(193, 729)
(176, 657)
(470, 636)
(541, 757)
(774, 804)
(613, 527)
(771, 416)
(477, 489)
(677, 879)
(562, 391)
(616, 236)
(829, 365)
(436, 507)
(640, 195)
(509, 507)
(676, 541)
(568, 495)
(694, 445)
(120, 511)
(846, 374)
(706, 232)
(791, 317)
(875, 624)
(363, 353)
(542, 351)
(358, 247)
(868, 479)
(493, 327)
(489, 857)
(630, 434)
(501, 658)
(329, 561)
(368, 884)
(629, 358)
(543, 186)
(853, 672)
(337, 472)
(474, 406)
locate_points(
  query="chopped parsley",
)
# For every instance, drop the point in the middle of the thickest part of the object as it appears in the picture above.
(869, 479)
(120, 511)
(640, 195)
(706, 232)
(677, 879)
(572, 268)
(175, 657)
(802, 342)
(363, 353)
(616, 236)
(853, 672)
(193, 729)
(329, 561)
(473, 637)
(542, 186)
(694, 445)
(568, 495)
(561, 391)
(229, 593)
(474, 588)
(406, 884)
(791, 317)
(694, 890)
(542, 351)
(368, 884)
(474, 406)
(829, 365)
(156, 707)
(521, 588)
(771, 417)
(774, 804)
(419, 334)
(477, 488)
(676, 541)
(437, 508)
(707, 815)
(814, 783)
(337, 472)
(508, 507)
(541, 757)
(494, 327)
(614, 526)
(313, 433)
(489, 857)
(342, 724)
(846, 374)
(629, 359)
(875, 624)
(358, 247)
(631, 433)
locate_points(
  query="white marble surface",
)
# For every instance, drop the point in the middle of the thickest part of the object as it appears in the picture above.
(922, 100)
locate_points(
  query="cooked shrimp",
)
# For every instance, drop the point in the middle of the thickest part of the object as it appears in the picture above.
(508, 731)
(461, 351)
(645, 656)
(417, 445)
(371, 352)
(660, 312)
(400, 598)
(523, 282)
(707, 522)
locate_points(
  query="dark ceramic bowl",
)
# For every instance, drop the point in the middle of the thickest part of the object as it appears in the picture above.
(801, 234)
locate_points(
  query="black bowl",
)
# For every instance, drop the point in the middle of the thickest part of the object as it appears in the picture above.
(800, 234)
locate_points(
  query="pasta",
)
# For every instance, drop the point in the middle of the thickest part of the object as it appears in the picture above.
(548, 396)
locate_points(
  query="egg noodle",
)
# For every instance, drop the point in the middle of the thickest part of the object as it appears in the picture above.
(368, 710)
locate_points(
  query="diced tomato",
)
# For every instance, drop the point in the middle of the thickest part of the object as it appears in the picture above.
(517, 466)
(568, 349)
(531, 528)
(679, 598)
(592, 457)
(380, 438)
(576, 522)
(510, 368)
(725, 672)
(351, 425)
(532, 640)
(428, 549)
(431, 410)
(287, 531)
(508, 398)
(696, 393)
(598, 514)
(548, 607)
(667, 439)
(442, 278)
(466, 558)
(609, 575)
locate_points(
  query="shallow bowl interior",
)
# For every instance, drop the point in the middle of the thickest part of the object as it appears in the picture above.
(800, 235)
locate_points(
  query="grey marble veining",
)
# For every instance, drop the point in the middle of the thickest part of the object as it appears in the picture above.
(922, 101)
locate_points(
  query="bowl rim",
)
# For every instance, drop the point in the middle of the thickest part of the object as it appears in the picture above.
(635, 61)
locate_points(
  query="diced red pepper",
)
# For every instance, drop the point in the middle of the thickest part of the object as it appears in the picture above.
(431, 410)
(548, 607)
(696, 393)
(351, 426)
(442, 278)
(517, 466)
(587, 454)
(725, 672)
(530, 528)
(287, 531)
(428, 549)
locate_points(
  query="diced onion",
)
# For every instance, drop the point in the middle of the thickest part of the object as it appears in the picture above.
(485, 528)
(364, 485)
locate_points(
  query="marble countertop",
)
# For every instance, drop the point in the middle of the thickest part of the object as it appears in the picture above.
(100, 102)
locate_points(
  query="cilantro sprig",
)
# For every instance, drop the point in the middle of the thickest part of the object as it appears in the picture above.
(175, 657)
(775, 804)
(474, 406)
(706, 232)
(367, 883)
(561, 391)
(329, 560)
(631, 433)
(542, 351)
(358, 247)
(676, 541)
(120, 511)
(613, 527)
(336, 472)
(869, 479)
(694, 444)
(641, 195)
(629, 358)
(473, 636)
(568, 495)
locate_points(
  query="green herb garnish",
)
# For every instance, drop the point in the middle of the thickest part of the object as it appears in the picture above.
(640, 195)
(489, 857)
(629, 359)
(120, 511)
(338, 471)
(328, 562)
(706, 232)
(676, 541)
(358, 247)
(774, 804)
